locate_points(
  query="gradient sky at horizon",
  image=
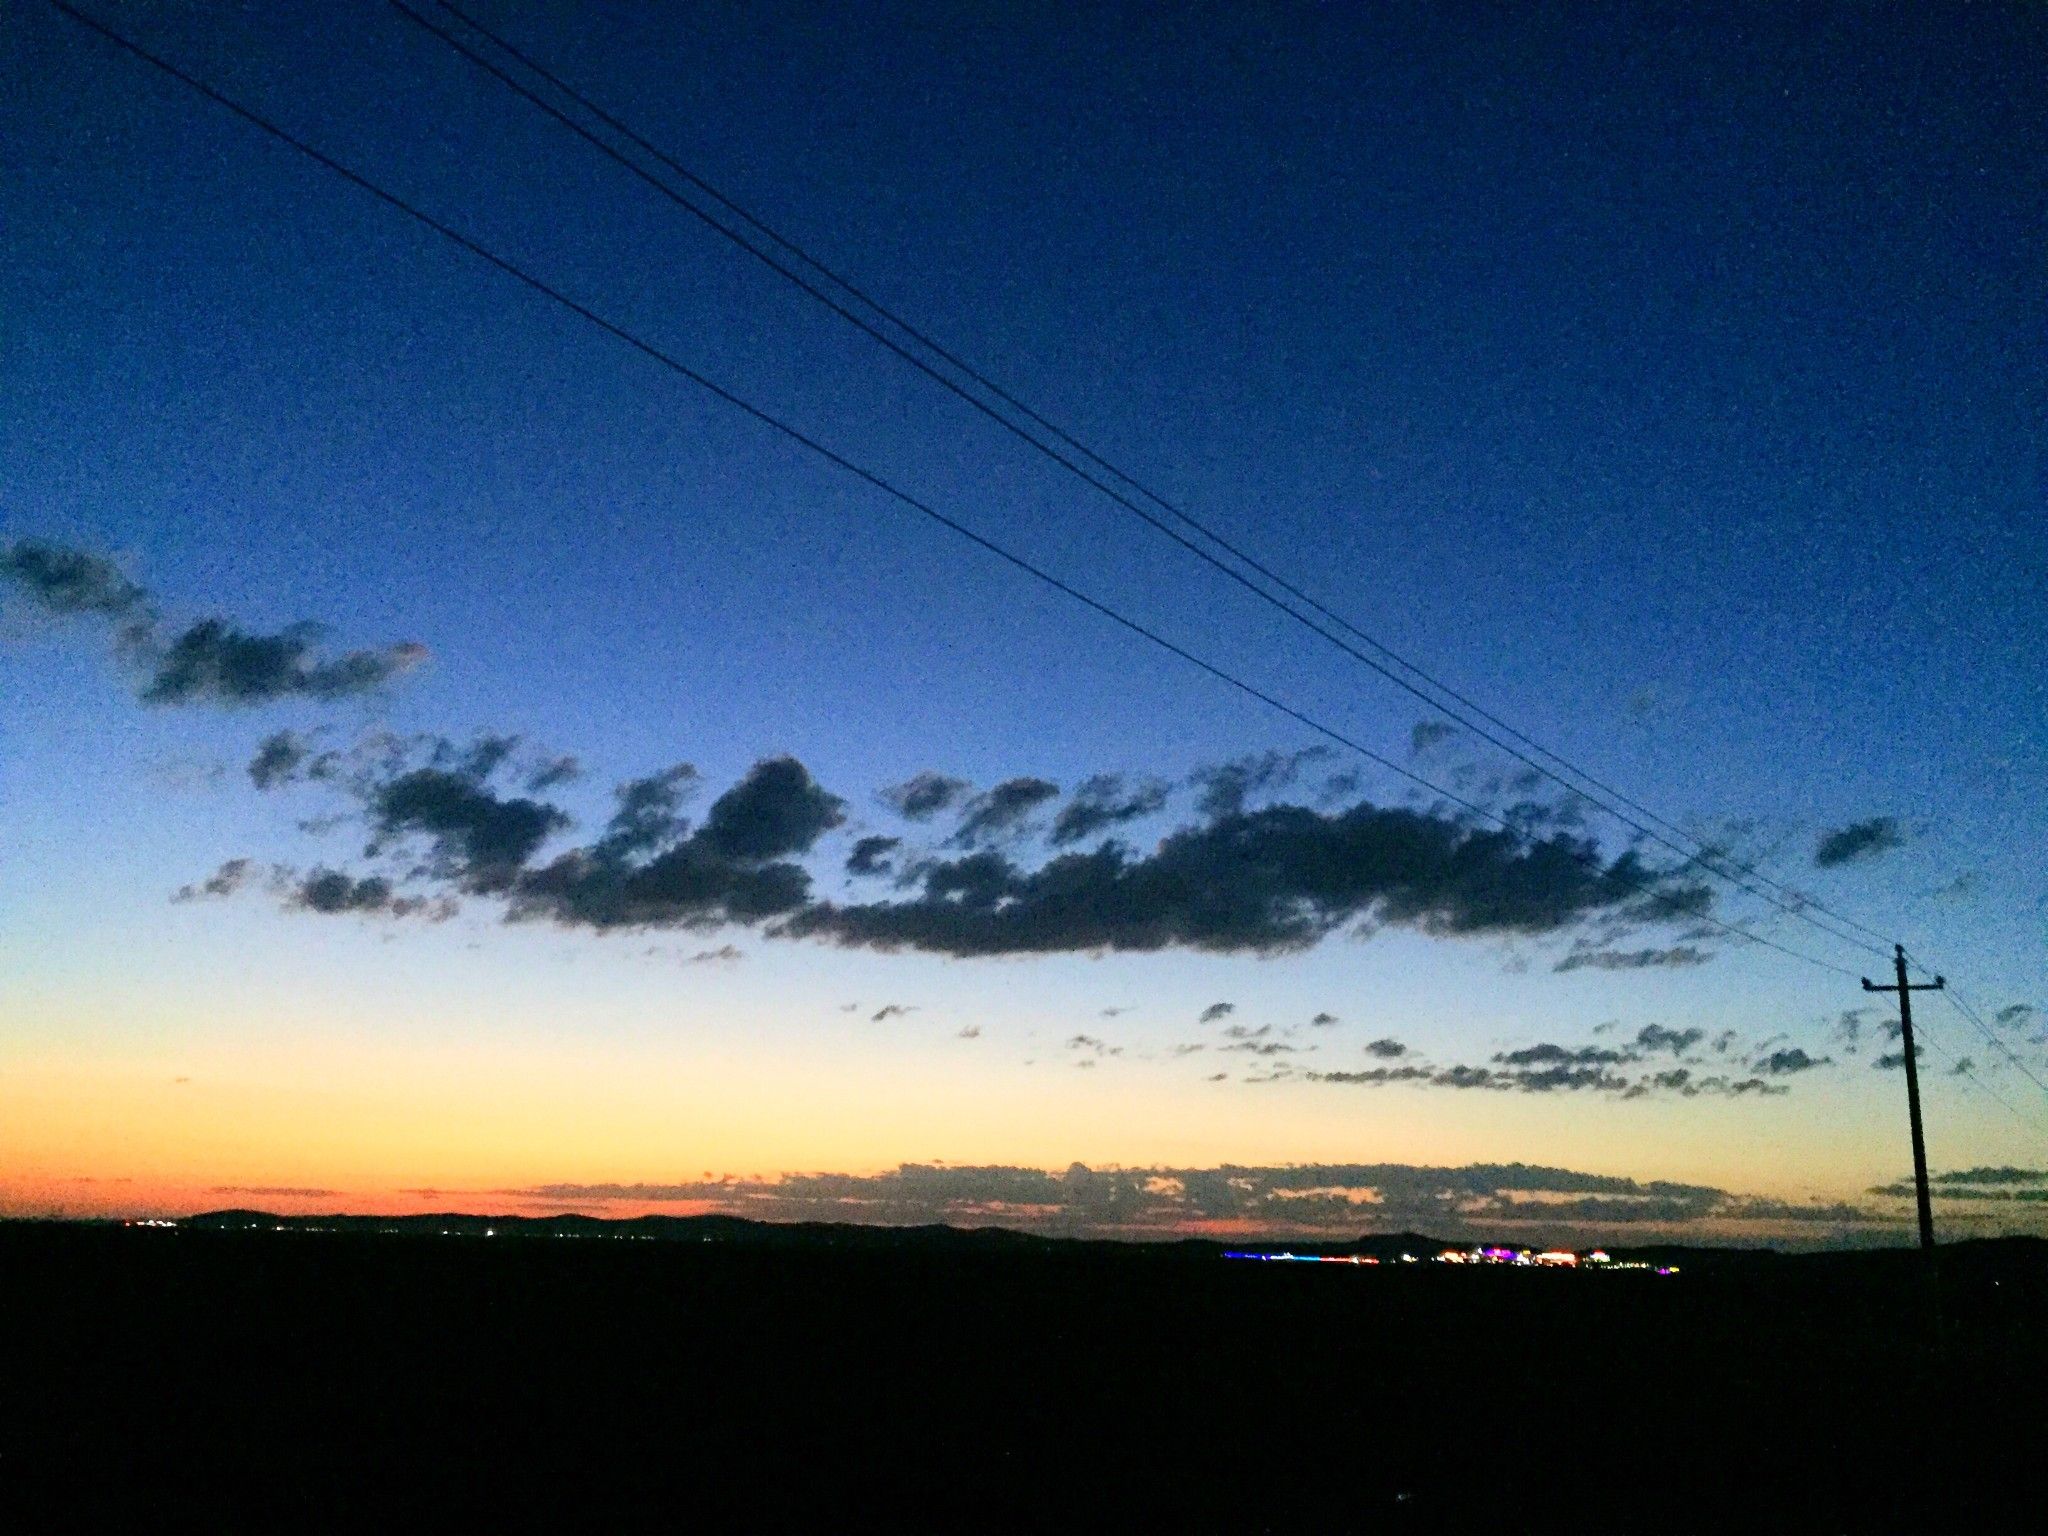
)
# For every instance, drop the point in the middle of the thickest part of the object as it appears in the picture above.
(1674, 388)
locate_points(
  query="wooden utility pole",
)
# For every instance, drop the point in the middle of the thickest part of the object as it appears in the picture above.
(1906, 990)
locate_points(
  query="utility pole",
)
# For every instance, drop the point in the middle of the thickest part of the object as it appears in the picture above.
(1906, 990)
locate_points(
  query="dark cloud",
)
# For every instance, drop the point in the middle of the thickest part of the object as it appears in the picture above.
(1093, 1045)
(1905, 1192)
(1630, 959)
(2015, 1015)
(1550, 1068)
(1339, 787)
(1655, 1037)
(1102, 802)
(1650, 1040)
(923, 797)
(69, 581)
(287, 757)
(1323, 1020)
(648, 815)
(1964, 1066)
(551, 773)
(2003, 1174)
(777, 810)
(1375, 1077)
(1984, 1184)
(225, 881)
(1858, 840)
(1786, 1062)
(725, 954)
(645, 872)
(1547, 1054)
(891, 1011)
(331, 891)
(1217, 1011)
(1270, 881)
(971, 1032)
(1429, 733)
(1224, 789)
(213, 662)
(1387, 1048)
(1001, 812)
(277, 760)
(871, 856)
(1892, 1061)
(485, 755)
(480, 840)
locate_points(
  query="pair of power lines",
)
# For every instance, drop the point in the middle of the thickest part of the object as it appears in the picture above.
(930, 357)
(611, 137)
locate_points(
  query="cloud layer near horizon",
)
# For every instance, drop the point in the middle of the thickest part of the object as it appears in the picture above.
(1324, 1199)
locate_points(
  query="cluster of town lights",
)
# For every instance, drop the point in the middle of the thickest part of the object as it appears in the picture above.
(1549, 1258)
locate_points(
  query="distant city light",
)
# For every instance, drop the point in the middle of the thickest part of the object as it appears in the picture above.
(1549, 1258)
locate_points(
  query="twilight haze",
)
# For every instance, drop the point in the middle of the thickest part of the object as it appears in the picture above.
(449, 759)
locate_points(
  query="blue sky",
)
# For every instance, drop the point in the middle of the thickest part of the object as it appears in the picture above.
(1673, 388)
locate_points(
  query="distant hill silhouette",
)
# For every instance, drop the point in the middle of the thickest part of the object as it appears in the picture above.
(739, 1231)
(801, 1234)
(680, 1229)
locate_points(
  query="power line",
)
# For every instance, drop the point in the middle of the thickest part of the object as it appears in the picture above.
(1801, 904)
(1697, 854)
(1962, 1068)
(832, 456)
(1970, 1013)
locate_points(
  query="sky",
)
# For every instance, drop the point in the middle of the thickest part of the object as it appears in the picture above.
(449, 759)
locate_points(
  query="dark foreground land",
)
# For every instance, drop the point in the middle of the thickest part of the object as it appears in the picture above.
(282, 1380)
